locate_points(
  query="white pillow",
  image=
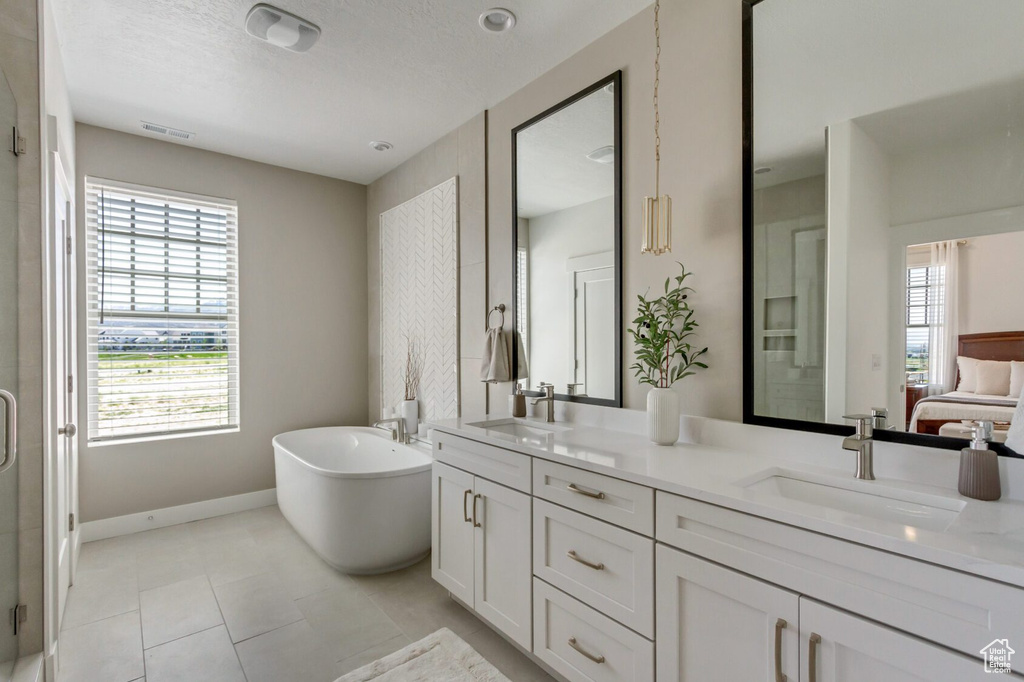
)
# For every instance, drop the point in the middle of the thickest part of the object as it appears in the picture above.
(1016, 378)
(968, 374)
(993, 378)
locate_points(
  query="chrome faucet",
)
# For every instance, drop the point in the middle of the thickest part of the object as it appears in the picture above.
(863, 444)
(549, 398)
(398, 433)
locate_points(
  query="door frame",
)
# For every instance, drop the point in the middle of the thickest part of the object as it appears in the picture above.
(53, 392)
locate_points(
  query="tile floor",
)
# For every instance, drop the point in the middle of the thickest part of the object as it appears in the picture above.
(242, 598)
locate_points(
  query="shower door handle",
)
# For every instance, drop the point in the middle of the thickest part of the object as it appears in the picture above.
(10, 430)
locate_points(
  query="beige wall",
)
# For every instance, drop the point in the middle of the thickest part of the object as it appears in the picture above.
(461, 152)
(302, 270)
(19, 58)
(990, 270)
(701, 168)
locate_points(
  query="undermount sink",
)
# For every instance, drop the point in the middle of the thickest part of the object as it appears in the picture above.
(521, 428)
(864, 498)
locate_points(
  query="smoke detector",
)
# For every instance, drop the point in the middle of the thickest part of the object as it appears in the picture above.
(381, 146)
(281, 28)
(168, 131)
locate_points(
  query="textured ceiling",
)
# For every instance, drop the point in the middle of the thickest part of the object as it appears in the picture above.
(818, 62)
(405, 71)
(552, 168)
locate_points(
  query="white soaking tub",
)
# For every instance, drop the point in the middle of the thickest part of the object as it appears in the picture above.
(359, 499)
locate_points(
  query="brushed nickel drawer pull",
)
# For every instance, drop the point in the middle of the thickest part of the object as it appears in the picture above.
(575, 557)
(476, 524)
(465, 506)
(577, 647)
(572, 487)
(812, 657)
(780, 625)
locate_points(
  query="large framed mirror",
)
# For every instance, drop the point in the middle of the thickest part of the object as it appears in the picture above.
(567, 241)
(884, 215)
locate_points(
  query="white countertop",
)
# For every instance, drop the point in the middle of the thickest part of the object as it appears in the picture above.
(986, 539)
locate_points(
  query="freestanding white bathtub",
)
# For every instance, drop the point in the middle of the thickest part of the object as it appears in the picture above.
(359, 499)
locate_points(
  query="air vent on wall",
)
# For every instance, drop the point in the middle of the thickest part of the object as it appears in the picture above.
(157, 129)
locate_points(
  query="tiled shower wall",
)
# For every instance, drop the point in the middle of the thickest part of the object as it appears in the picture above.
(19, 58)
(420, 300)
(461, 153)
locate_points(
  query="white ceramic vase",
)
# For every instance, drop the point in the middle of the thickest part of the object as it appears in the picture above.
(409, 411)
(663, 416)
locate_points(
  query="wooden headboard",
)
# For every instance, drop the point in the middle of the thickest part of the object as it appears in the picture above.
(992, 346)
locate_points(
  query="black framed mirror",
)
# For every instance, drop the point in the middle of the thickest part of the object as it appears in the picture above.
(883, 210)
(567, 246)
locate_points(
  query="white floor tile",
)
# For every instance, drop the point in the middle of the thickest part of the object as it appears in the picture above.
(347, 621)
(422, 608)
(159, 566)
(303, 573)
(252, 606)
(288, 654)
(505, 657)
(108, 650)
(99, 593)
(372, 654)
(206, 656)
(231, 557)
(177, 610)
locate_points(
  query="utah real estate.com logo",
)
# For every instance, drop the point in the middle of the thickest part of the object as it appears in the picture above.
(997, 656)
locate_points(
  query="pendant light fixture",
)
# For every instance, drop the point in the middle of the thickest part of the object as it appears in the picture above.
(657, 209)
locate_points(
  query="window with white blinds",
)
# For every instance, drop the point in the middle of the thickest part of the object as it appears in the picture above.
(162, 312)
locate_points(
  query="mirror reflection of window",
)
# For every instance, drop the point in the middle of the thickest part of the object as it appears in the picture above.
(908, 159)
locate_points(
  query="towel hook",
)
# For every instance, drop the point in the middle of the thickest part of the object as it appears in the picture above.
(501, 309)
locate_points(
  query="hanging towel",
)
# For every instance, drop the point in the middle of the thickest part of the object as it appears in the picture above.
(496, 365)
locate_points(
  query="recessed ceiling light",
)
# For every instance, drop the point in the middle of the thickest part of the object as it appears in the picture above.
(281, 28)
(604, 154)
(762, 170)
(381, 146)
(497, 20)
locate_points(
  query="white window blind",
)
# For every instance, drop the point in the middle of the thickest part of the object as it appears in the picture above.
(522, 293)
(162, 312)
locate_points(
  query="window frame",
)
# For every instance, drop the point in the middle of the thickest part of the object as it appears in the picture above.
(93, 187)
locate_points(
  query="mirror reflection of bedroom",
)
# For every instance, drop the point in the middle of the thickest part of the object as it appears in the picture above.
(888, 217)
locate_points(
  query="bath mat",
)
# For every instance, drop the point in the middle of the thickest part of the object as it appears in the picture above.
(438, 656)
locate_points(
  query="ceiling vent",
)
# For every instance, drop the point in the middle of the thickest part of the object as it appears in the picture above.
(281, 28)
(167, 131)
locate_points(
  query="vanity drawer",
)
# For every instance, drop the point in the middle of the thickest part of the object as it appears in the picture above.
(961, 611)
(607, 651)
(620, 502)
(503, 466)
(606, 567)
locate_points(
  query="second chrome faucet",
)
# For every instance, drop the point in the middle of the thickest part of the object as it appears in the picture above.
(549, 398)
(863, 443)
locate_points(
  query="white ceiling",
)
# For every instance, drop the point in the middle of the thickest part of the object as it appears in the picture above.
(552, 168)
(818, 62)
(405, 71)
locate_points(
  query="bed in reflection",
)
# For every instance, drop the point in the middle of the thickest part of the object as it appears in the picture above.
(989, 382)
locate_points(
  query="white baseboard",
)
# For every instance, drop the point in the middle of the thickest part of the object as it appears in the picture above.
(171, 516)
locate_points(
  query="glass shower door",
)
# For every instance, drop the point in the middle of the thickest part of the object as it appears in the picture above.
(8, 376)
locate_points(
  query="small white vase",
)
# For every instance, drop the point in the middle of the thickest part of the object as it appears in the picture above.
(663, 416)
(409, 410)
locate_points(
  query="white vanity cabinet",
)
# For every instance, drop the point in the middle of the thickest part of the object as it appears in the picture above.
(839, 647)
(481, 548)
(717, 624)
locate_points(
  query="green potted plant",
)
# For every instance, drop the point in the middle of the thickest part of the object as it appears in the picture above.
(661, 335)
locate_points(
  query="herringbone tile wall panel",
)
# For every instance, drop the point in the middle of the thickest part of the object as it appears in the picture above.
(420, 298)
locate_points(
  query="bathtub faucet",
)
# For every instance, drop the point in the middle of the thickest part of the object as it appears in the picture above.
(398, 433)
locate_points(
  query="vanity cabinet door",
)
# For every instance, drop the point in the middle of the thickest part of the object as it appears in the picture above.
(504, 577)
(846, 648)
(716, 624)
(451, 562)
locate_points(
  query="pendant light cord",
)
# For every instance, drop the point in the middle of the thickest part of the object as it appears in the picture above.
(657, 117)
